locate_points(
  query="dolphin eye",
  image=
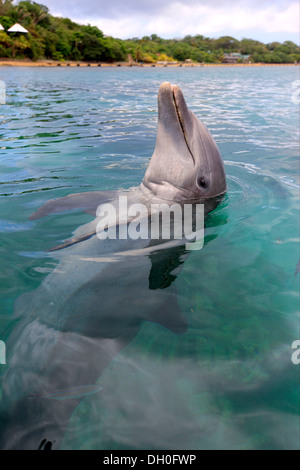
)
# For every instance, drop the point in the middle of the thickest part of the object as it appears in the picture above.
(202, 182)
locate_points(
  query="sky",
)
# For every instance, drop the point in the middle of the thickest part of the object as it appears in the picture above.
(263, 20)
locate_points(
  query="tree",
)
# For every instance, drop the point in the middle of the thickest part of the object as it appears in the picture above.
(92, 48)
(19, 45)
(6, 22)
(31, 12)
(6, 6)
(226, 43)
(61, 38)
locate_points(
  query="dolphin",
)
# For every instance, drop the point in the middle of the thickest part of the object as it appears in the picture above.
(94, 302)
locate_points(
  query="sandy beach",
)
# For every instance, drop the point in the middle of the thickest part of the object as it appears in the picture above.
(53, 63)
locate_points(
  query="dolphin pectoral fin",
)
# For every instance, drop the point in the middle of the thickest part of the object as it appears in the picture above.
(169, 316)
(73, 241)
(87, 202)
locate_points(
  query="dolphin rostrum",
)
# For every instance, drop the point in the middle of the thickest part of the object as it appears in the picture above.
(71, 327)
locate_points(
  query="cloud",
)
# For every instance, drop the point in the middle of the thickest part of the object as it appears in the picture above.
(177, 18)
(117, 8)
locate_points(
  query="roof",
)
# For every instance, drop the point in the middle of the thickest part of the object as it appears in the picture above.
(233, 55)
(17, 28)
(1, 27)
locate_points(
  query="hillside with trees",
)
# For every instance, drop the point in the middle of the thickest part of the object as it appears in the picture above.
(61, 39)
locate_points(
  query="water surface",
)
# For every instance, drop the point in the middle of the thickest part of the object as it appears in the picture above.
(228, 382)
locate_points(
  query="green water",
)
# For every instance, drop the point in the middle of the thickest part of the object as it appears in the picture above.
(229, 381)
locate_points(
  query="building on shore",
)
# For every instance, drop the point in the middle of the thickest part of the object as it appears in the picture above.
(17, 28)
(236, 57)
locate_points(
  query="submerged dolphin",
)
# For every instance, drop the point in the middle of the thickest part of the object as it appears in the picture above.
(95, 301)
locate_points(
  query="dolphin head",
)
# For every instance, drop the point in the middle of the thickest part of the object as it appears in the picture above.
(186, 164)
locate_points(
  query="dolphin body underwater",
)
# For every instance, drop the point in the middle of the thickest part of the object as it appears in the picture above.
(94, 302)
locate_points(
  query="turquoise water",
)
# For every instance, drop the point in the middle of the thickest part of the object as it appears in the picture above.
(229, 381)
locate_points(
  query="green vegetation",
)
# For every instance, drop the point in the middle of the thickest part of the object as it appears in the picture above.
(62, 39)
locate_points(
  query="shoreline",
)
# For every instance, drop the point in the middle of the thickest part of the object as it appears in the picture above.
(53, 63)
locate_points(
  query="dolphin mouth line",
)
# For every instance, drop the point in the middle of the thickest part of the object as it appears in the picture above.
(180, 120)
